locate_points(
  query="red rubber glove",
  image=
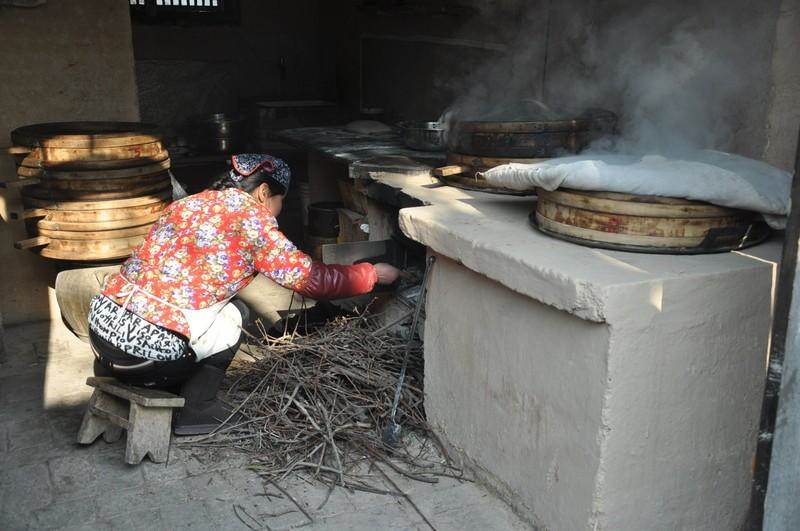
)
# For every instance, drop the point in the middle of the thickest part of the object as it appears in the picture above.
(329, 281)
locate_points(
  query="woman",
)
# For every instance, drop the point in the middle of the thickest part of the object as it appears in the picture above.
(167, 319)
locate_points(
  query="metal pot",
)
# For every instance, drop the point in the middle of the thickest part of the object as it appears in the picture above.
(424, 136)
(219, 133)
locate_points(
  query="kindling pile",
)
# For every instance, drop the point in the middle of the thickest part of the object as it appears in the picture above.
(315, 404)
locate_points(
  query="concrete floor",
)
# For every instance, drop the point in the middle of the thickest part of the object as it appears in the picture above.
(49, 482)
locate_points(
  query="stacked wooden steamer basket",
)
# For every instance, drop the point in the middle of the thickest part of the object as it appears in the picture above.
(594, 218)
(648, 224)
(477, 146)
(91, 189)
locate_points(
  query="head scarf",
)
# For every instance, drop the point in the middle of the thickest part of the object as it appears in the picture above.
(246, 164)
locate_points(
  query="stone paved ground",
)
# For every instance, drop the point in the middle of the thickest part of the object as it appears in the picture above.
(48, 482)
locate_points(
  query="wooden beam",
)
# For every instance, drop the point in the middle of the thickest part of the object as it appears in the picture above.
(784, 296)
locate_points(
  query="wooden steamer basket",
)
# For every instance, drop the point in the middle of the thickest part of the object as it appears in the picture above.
(90, 230)
(91, 189)
(520, 139)
(646, 224)
(477, 146)
(462, 171)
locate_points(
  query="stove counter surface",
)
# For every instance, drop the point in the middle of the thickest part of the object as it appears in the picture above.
(491, 234)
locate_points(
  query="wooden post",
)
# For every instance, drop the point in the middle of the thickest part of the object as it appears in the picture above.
(3, 352)
(783, 306)
(781, 509)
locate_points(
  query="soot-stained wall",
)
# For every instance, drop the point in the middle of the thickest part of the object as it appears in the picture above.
(272, 53)
(688, 74)
(415, 59)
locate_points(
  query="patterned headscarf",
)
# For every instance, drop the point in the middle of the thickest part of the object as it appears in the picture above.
(246, 164)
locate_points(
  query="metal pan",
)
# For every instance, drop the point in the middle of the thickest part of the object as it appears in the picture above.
(424, 136)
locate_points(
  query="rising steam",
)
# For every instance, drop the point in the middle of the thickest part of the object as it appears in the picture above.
(681, 75)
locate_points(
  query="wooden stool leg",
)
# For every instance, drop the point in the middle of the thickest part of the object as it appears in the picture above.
(112, 434)
(92, 426)
(106, 415)
(148, 433)
(107, 412)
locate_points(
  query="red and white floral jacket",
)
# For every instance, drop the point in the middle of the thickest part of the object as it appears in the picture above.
(208, 246)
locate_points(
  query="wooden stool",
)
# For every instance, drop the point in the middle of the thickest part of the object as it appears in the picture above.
(145, 413)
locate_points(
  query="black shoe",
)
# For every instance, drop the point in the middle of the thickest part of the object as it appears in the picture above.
(202, 413)
(202, 419)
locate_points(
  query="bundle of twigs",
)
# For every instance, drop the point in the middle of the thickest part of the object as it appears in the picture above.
(315, 405)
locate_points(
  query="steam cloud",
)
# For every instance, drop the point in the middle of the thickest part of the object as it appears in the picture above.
(681, 75)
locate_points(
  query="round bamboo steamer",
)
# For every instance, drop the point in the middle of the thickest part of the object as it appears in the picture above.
(83, 235)
(91, 250)
(105, 185)
(88, 175)
(39, 192)
(88, 206)
(34, 161)
(471, 166)
(99, 215)
(94, 188)
(56, 156)
(85, 134)
(90, 230)
(48, 223)
(645, 223)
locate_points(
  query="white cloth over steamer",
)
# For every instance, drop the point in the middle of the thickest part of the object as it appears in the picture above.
(715, 177)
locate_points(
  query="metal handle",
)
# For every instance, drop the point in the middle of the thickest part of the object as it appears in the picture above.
(417, 310)
(32, 243)
(448, 171)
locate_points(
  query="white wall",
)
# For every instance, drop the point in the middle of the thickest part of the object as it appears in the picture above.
(518, 387)
(646, 421)
(685, 382)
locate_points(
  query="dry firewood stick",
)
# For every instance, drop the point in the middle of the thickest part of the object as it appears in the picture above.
(327, 496)
(237, 508)
(332, 442)
(321, 458)
(302, 510)
(289, 402)
(305, 412)
(398, 469)
(405, 496)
